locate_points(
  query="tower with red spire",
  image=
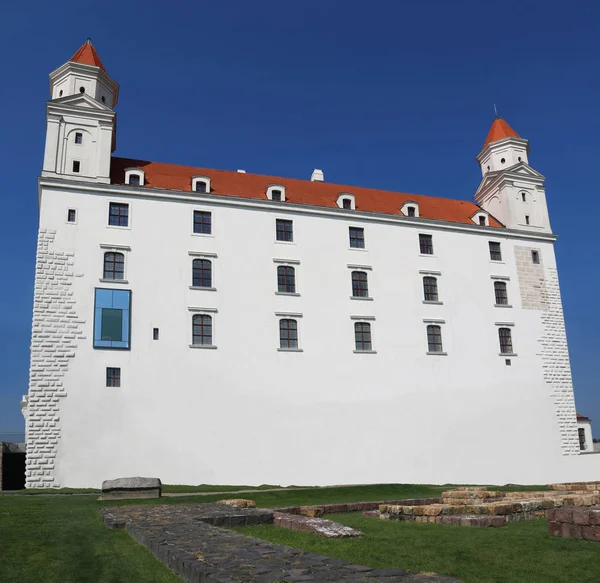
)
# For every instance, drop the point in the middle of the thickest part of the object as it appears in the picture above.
(81, 119)
(511, 190)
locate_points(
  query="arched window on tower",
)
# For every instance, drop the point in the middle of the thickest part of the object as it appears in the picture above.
(201, 273)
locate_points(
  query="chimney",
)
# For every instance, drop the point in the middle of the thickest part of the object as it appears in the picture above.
(242, 171)
(317, 176)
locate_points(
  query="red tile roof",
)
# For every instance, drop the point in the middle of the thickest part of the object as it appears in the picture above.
(87, 55)
(500, 130)
(582, 417)
(324, 194)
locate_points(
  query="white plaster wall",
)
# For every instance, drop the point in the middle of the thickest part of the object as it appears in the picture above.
(246, 413)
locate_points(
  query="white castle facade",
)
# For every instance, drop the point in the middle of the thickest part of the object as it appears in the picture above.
(208, 326)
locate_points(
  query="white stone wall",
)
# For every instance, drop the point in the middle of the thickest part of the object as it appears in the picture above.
(539, 289)
(56, 329)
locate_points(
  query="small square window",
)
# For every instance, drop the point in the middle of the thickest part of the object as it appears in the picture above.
(78, 138)
(276, 195)
(203, 222)
(76, 166)
(357, 237)
(155, 334)
(118, 214)
(284, 230)
(113, 377)
(535, 257)
(508, 362)
(200, 186)
(495, 251)
(426, 244)
(71, 216)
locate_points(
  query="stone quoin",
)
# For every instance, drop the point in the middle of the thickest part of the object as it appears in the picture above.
(224, 327)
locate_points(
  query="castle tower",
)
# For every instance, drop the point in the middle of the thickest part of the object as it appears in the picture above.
(80, 119)
(511, 190)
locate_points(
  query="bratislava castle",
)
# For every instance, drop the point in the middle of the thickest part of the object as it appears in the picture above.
(223, 327)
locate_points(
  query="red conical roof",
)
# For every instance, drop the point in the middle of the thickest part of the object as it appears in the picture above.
(500, 130)
(87, 55)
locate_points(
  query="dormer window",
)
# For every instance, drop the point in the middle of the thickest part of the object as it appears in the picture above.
(134, 176)
(410, 209)
(276, 192)
(481, 218)
(200, 184)
(346, 201)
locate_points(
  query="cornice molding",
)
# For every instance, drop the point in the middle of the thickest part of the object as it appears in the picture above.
(134, 192)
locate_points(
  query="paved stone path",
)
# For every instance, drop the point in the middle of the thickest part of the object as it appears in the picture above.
(187, 538)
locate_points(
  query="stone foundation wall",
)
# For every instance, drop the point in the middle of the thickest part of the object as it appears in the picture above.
(573, 522)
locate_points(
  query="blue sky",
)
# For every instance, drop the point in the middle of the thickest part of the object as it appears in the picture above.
(387, 94)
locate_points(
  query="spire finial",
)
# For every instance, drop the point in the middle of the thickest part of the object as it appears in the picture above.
(89, 41)
(495, 110)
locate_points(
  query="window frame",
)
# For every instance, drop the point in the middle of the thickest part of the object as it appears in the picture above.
(502, 295)
(113, 380)
(426, 244)
(125, 322)
(200, 178)
(78, 138)
(128, 216)
(360, 344)
(343, 198)
(202, 223)
(494, 252)
(361, 232)
(141, 174)
(284, 231)
(434, 331)
(276, 187)
(194, 311)
(502, 329)
(359, 279)
(410, 206)
(114, 271)
(76, 211)
(284, 277)
(75, 162)
(202, 269)
(582, 440)
(289, 340)
(431, 292)
(202, 316)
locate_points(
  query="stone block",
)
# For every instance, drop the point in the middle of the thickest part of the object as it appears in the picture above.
(581, 516)
(554, 528)
(591, 532)
(564, 514)
(312, 511)
(238, 503)
(594, 514)
(126, 488)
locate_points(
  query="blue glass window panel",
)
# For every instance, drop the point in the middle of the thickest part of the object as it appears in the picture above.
(109, 302)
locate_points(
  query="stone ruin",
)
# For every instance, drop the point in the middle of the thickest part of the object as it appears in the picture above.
(478, 506)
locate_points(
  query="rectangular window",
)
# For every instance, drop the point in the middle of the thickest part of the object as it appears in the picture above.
(495, 252)
(430, 289)
(505, 337)
(410, 211)
(434, 338)
(155, 334)
(76, 166)
(78, 138)
(134, 179)
(112, 310)
(276, 195)
(535, 257)
(360, 286)
(346, 203)
(113, 377)
(284, 230)
(71, 216)
(426, 244)
(526, 219)
(118, 214)
(357, 237)
(201, 273)
(286, 279)
(581, 432)
(501, 293)
(202, 329)
(203, 222)
(362, 336)
(288, 333)
(482, 221)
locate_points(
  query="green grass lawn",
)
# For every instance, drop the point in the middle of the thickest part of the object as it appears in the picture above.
(517, 553)
(62, 539)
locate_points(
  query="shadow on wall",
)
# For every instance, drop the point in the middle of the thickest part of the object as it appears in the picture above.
(12, 466)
